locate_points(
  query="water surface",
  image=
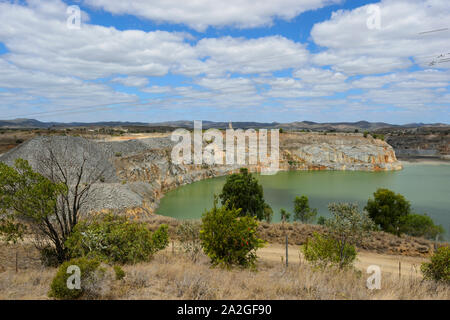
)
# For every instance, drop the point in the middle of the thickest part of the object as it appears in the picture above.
(426, 186)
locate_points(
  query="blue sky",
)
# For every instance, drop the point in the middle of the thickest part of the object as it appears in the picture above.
(150, 61)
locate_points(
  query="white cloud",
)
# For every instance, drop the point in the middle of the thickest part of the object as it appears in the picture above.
(49, 66)
(245, 56)
(200, 14)
(353, 48)
(131, 81)
(319, 76)
(43, 42)
(47, 92)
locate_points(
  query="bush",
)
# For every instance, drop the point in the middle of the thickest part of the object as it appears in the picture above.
(268, 214)
(321, 221)
(302, 211)
(229, 239)
(118, 271)
(420, 225)
(115, 239)
(439, 267)
(285, 216)
(323, 251)
(58, 287)
(242, 190)
(347, 226)
(188, 233)
(388, 209)
(391, 212)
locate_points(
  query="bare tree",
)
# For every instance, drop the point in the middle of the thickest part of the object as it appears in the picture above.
(76, 164)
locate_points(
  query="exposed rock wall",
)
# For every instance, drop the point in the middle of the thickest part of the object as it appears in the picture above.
(336, 152)
(144, 170)
(421, 142)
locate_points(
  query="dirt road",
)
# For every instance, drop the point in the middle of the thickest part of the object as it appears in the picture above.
(410, 266)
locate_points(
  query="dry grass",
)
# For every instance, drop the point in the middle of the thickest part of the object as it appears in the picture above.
(275, 233)
(174, 276)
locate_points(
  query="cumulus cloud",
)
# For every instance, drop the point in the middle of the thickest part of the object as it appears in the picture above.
(353, 48)
(40, 92)
(245, 56)
(131, 81)
(354, 69)
(201, 14)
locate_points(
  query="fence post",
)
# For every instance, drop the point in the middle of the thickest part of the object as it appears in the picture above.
(399, 269)
(287, 243)
(17, 263)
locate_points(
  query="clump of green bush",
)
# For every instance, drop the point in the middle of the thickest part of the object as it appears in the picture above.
(59, 288)
(421, 225)
(115, 239)
(321, 221)
(438, 269)
(118, 271)
(391, 212)
(323, 251)
(229, 238)
(378, 136)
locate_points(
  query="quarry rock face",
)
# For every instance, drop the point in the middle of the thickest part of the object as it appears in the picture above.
(139, 172)
(337, 152)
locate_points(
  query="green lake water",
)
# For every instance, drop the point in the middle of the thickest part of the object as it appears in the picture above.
(426, 186)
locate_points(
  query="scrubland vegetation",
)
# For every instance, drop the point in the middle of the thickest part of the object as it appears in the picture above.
(215, 259)
(176, 276)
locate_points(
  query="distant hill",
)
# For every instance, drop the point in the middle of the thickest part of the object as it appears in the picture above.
(298, 125)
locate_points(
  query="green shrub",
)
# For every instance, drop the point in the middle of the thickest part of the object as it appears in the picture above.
(229, 239)
(188, 233)
(321, 220)
(268, 214)
(242, 190)
(391, 212)
(323, 251)
(421, 225)
(59, 288)
(118, 271)
(347, 226)
(302, 211)
(378, 136)
(116, 239)
(439, 267)
(388, 209)
(285, 216)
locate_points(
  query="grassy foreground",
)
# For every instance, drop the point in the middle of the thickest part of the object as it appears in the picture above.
(171, 275)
